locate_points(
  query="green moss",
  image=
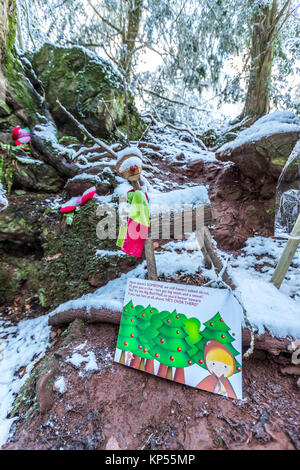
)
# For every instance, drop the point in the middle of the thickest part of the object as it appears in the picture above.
(82, 82)
(69, 275)
(26, 403)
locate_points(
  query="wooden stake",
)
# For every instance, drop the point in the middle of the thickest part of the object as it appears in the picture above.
(149, 249)
(215, 259)
(287, 255)
(207, 259)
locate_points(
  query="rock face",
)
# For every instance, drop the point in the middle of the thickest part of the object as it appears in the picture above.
(82, 81)
(20, 104)
(36, 175)
(261, 151)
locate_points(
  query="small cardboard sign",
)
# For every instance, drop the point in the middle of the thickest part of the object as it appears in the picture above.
(188, 334)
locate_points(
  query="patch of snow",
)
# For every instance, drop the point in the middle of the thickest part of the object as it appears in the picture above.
(267, 307)
(104, 253)
(172, 145)
(29, 161)
(274, 123)
(23, 346)
(60, 384)
(90, 361)
(86, 176)
(47, 132)
(178, 199)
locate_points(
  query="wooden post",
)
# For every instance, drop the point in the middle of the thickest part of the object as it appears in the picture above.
(215, 259)
(287, 255)
(200, 238)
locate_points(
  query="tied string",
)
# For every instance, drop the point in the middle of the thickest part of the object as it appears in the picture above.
(220, 282)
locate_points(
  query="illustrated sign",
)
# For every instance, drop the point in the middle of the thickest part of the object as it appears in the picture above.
(184, 333)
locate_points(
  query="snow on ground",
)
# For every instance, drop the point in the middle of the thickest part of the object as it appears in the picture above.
(60, 384)
(175, 143)
(89, 360)
(22, 346)
(273, 123)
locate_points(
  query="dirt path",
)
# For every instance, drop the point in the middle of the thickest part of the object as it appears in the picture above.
(133, 410)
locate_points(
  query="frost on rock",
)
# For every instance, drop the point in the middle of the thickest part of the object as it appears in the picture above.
(274, 123)
(288, 194)
(48, 133)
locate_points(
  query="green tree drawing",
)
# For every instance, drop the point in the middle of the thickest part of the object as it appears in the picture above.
(218, 330)
(134, 321)
(172, 338)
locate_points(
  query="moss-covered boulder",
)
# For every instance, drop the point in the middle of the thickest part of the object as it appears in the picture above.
(262, 150)
(83, 81)
(20, 221)
(15, 271)
(36, 175)
(84, 261)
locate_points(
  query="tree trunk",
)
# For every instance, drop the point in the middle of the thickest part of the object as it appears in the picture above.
(257, 101)
(149, 366)
(129, 38)
(179, 375)
(7, 31)
(162, 371)
(135, 362)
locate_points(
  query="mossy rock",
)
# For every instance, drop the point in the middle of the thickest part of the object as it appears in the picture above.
(26, 404)
(19, 222)
(20, 103)
(77, 270)
(82, 81)
(14, 272)
(36, 175)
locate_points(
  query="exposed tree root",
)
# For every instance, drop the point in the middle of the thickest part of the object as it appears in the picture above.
(264, 342)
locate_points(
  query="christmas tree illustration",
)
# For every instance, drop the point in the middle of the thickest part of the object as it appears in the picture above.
(134, 321)
(215, 329)
(172, 338)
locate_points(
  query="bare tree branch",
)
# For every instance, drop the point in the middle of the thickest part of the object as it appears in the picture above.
(86, 132)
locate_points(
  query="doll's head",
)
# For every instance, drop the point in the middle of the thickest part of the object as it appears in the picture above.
(218, 359)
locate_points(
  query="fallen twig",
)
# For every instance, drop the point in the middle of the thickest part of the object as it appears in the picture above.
(86, 132)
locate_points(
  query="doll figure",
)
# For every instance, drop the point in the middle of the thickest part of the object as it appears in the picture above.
(220, 364)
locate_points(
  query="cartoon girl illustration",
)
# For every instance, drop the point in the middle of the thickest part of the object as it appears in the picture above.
(220, 364)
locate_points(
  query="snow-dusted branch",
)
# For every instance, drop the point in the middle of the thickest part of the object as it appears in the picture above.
(84, 130)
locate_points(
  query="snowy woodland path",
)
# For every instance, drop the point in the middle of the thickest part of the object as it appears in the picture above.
(99, 404)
